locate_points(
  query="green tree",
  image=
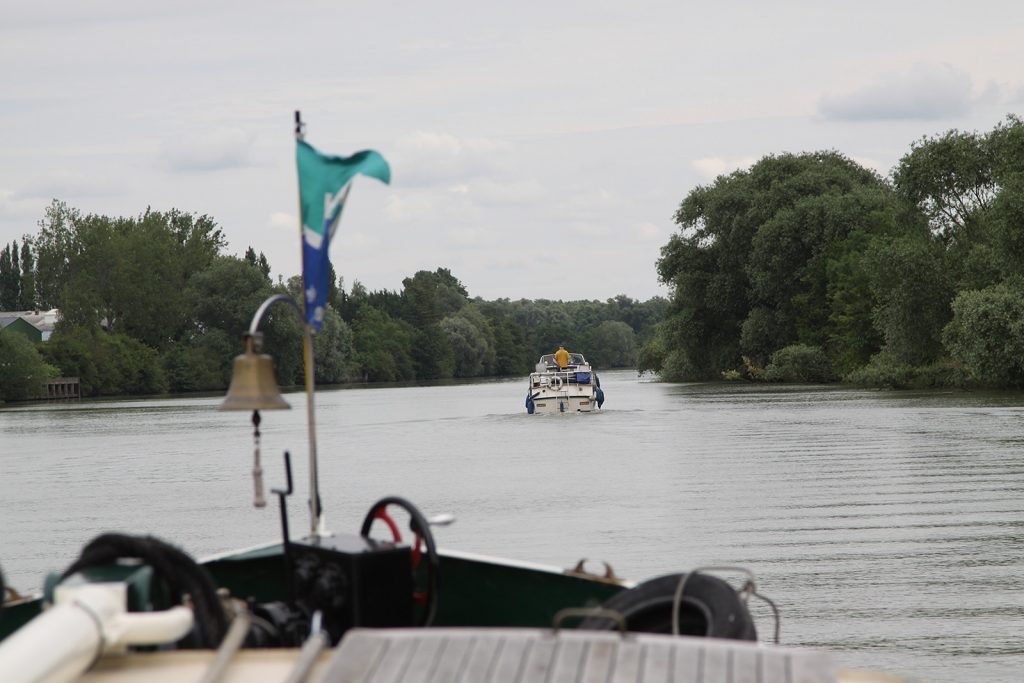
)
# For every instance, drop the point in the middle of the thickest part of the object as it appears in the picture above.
(958, 180)
(383, 347)
(431, 296)
(513, 347)
(986, 333)
(472, 342)
(55, 247)
(106, 364)
(71, 350)
(909, 283)
(799, 363)
(951, 178)
(128, 274)
(333, 350)
(198, 363)
(428, 298)
(612, 344)
(23, 372)
(749, 268)
(10, 278)
(28, 277)
(224, 297)
(259, 262)
(852, 336)
(432, 353)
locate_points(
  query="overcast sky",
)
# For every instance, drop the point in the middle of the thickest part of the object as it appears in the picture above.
(538, 149)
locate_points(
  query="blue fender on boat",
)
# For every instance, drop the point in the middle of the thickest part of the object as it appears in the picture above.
(529, 404)
(599, 392)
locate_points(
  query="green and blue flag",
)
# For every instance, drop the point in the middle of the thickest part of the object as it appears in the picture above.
(324, 183)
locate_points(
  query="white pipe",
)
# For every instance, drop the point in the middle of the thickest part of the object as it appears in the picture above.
(60, 644)
(151, 628)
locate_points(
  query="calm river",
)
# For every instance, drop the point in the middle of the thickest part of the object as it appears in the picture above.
(888, 526)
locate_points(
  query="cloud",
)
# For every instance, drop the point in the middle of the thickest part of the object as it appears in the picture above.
(648, 231)
(357, 241)
(511, 193)
(871, 164)
(466, 237)
(1017, 96)
(410, 207)
(68, 184)
(283, 220)
(20, 210)
(431, 158)
(219, 149)
(712, 167)
(926, 92)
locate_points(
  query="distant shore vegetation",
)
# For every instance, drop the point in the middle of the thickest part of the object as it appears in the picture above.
(803, 268)
(812, 268)
(153, 304)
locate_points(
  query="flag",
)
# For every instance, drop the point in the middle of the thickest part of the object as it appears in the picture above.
(324, 183)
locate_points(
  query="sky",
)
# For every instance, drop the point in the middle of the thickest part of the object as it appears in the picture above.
(537, 149)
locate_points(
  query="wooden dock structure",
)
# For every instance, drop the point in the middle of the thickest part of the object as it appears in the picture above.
(63, 388)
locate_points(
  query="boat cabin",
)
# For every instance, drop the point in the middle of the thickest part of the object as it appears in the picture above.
(547, 362)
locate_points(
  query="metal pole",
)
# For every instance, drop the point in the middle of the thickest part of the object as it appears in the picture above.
(314, 487)
(315, 514)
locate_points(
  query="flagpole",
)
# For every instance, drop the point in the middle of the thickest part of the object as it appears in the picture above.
(316, 515)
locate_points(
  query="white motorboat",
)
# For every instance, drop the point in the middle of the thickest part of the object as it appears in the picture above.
(570, 389)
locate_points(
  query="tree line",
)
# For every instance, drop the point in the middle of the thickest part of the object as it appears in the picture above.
(810, 267)
(17, 273)
(153, 304)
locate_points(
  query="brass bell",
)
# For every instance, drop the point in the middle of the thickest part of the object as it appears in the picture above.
(253, 386)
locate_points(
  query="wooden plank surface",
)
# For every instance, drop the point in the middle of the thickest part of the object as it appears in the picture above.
(665, 660)
(534, 655)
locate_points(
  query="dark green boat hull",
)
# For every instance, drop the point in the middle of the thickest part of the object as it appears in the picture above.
(472, 591)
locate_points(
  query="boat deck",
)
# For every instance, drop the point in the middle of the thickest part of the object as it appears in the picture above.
(508, 656)
(501, 656)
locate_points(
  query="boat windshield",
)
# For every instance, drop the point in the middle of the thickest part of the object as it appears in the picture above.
(549, 360)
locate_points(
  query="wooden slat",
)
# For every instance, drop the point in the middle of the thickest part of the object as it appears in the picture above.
(627, 664)
(689, 664)
(600, 658)
(356, 664)
(424, 660)
(540, 660)
(509, 662)
(481, 659)
(392, 666)
(530, 655)
(775, 666)
(746, 666)
(453, 660)
(717, 666)
(567, 663)
(658, 664)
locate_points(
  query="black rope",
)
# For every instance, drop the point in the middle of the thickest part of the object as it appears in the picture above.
(177, 569)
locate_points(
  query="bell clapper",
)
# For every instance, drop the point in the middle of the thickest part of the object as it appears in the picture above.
(257, 469)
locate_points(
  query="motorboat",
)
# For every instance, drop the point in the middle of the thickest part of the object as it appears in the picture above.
(575, 388)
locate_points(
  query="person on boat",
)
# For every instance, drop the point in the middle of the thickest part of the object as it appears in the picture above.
(562, 357)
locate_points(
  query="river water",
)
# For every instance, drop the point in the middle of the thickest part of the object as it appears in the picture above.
(888, 526)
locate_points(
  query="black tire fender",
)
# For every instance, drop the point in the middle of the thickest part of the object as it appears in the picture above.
(709, 607)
